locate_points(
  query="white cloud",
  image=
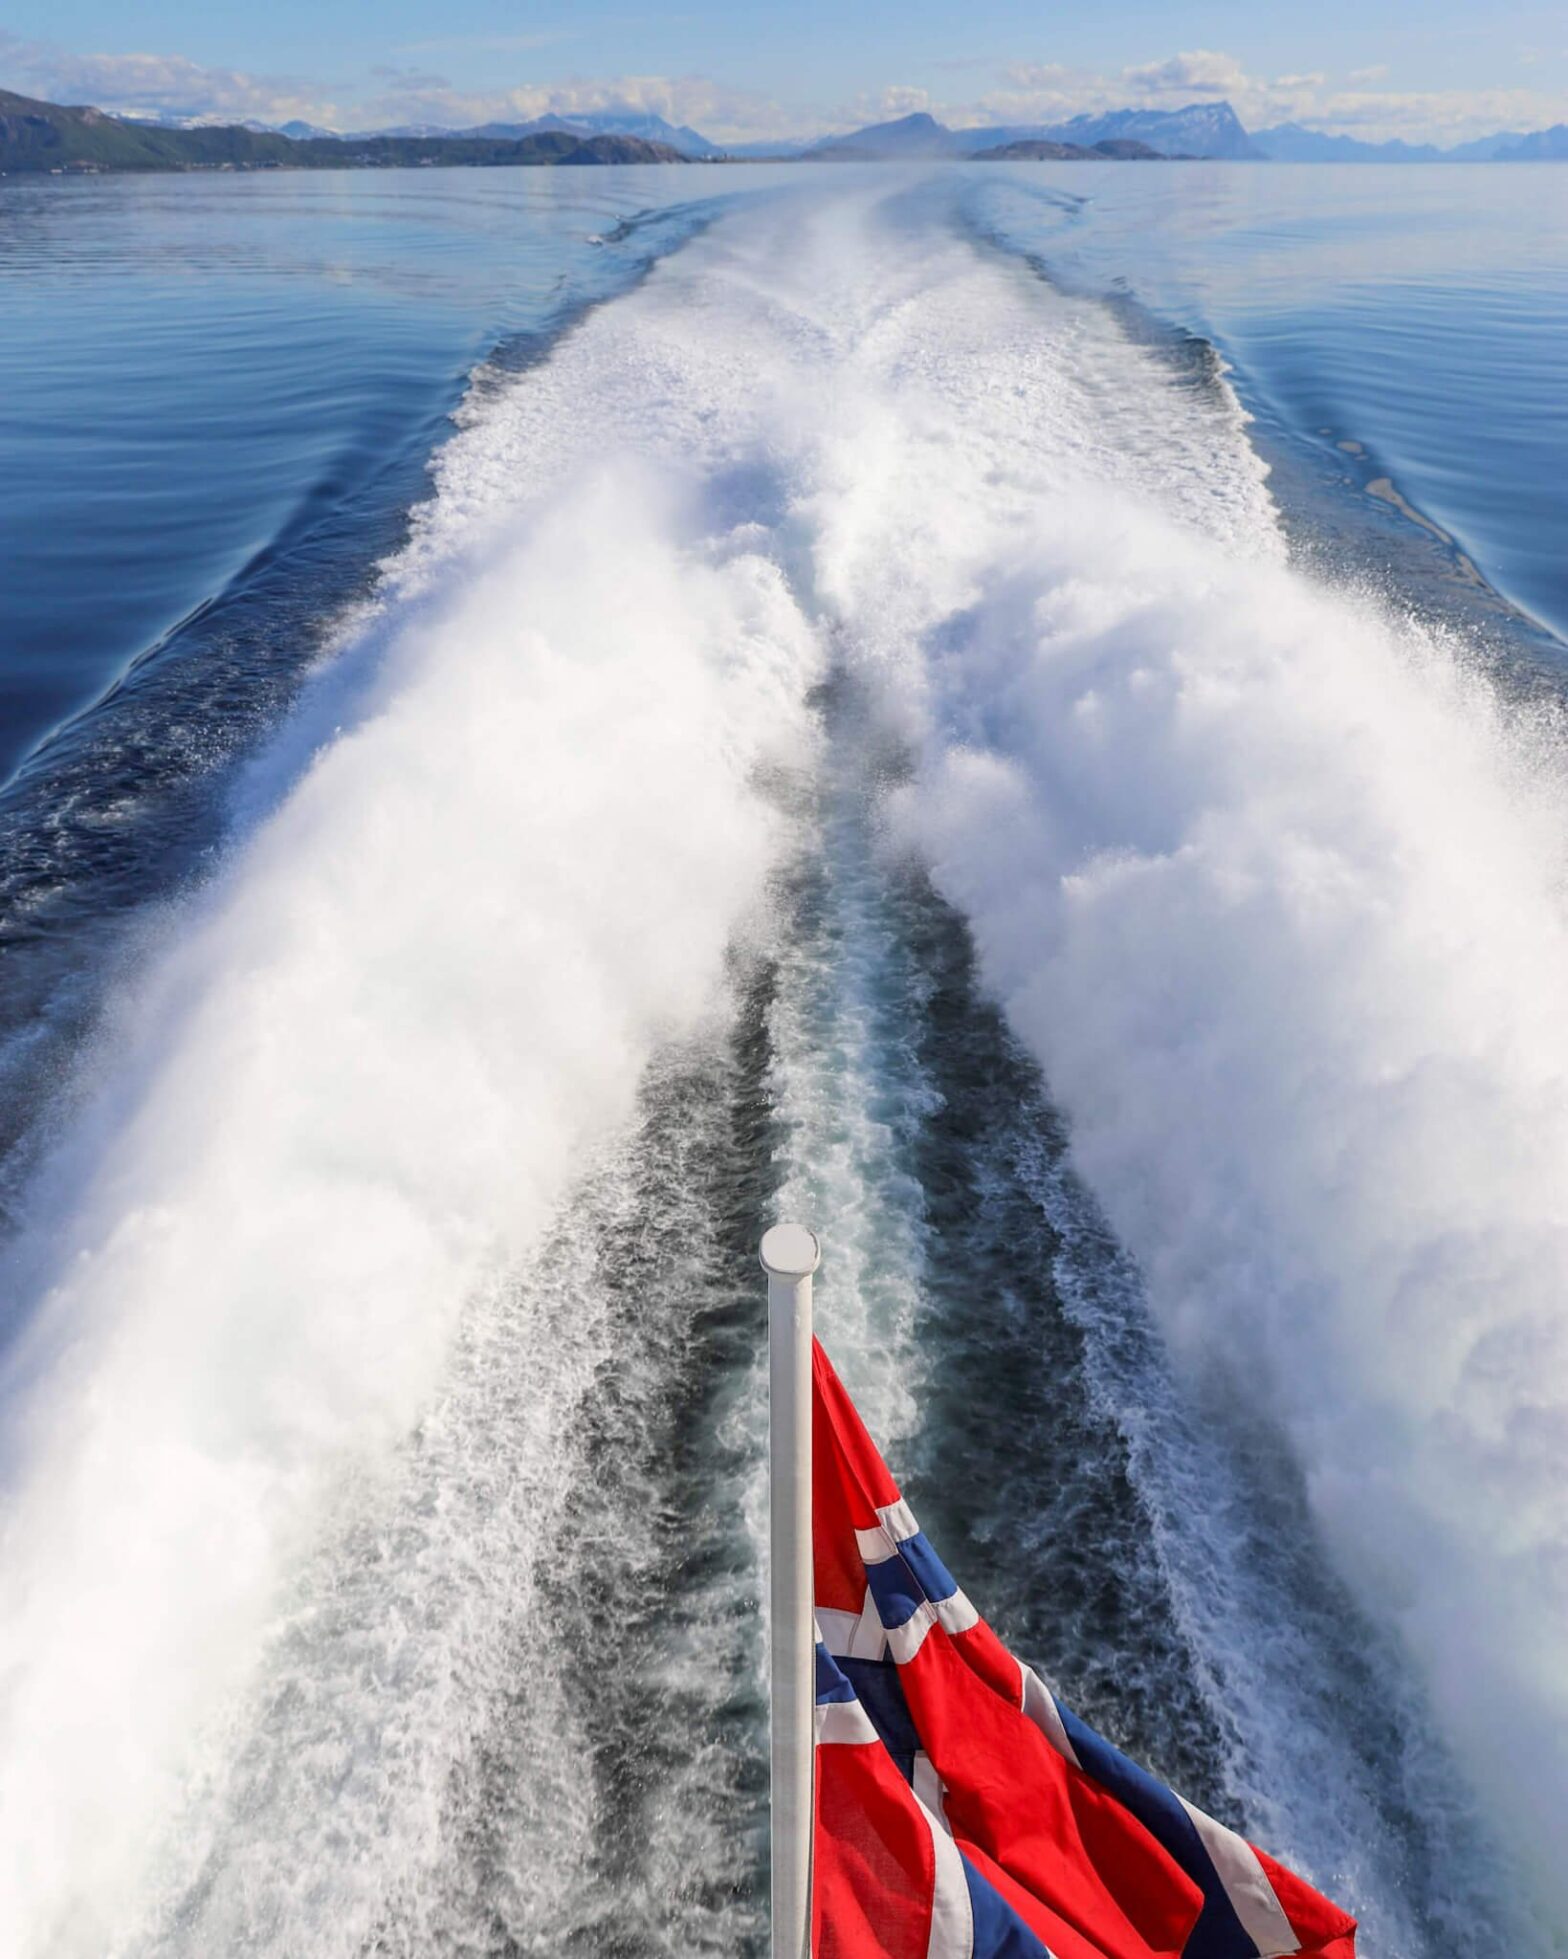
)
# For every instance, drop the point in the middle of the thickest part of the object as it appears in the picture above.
(163, 83)
(1047, 91)
(882, 105)
(724, 113)
(143, 84)
(901, 100)
(1045, 75)
(1437, 116)
(1035, 91)
(1199, 73)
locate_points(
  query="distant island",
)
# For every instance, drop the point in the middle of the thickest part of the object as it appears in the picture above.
(1029, 149)
(1115, 149)
(46, 137)
(43, 136)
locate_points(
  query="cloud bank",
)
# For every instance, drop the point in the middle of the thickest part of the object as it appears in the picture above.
(1360, 102)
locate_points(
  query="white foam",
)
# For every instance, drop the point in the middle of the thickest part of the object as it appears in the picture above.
(848, 1093)
(1268, 884)
(1274, 890)
(1278, 907)
(352, 1084)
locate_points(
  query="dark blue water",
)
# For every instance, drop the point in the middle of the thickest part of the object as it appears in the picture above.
(1401, 337)
(197, 377)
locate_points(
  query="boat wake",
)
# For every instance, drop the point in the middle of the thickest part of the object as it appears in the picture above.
(844, 737)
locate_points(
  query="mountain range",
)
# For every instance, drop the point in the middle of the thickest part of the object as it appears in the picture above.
(608, 122)
(1290, 143)
(45, 136)
(1204, 129)
(38, 135)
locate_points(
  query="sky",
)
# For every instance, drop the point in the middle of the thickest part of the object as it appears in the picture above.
(1425, 70)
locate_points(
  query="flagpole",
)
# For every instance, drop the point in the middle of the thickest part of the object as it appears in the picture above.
(789, 1257)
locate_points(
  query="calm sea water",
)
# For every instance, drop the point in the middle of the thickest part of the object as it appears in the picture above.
(382, 1158)
(202, 375)
(1400, 337)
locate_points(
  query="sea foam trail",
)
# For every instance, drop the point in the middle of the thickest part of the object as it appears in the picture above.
(1272, 886)
(1185, 802)
(961, 412)
(1276, 904)
(515, 1699)
(344, 1098)
(1162, 1572)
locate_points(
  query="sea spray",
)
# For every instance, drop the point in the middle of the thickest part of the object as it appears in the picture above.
(1272, 887)
(348, 1094)
(1158, 1564)
(1187, 804)
(1278, 909)
(1270, 880)
(514, 1695)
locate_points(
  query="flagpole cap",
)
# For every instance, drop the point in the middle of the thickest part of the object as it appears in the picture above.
(790, 1251)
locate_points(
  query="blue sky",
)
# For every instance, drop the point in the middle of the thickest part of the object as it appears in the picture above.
(1441, 70)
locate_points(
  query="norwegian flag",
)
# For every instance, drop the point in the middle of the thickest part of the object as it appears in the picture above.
(961, 1811)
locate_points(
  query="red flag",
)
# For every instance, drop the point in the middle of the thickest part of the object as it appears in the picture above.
(961, 1810)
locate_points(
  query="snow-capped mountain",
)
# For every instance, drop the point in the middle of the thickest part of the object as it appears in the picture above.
(1209, 129)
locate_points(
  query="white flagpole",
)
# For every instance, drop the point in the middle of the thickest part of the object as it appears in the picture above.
(789, 1257)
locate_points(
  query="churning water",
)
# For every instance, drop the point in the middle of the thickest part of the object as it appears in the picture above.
(848, 733)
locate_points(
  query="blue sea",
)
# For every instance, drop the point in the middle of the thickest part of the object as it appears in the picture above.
(549, 718)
